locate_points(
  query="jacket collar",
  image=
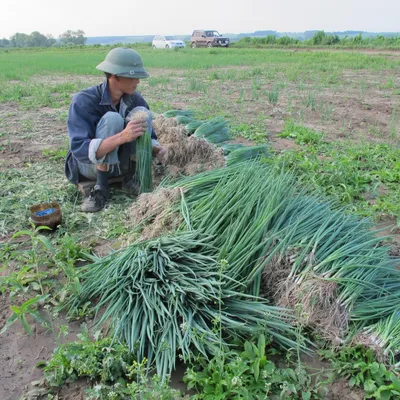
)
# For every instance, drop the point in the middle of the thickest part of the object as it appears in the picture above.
(105, 94)
(126, 99)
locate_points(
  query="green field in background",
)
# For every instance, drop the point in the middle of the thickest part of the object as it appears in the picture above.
(21, 64)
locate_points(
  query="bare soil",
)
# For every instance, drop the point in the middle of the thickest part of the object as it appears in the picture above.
(19, 354)
(28, 134)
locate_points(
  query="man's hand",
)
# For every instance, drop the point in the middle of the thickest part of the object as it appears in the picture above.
(160, 154)
(133, 130)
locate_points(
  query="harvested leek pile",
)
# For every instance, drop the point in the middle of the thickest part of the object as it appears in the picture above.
(186, 155)
(329, 263)
(176, 113)
(247, 153)
(144, 157)
(170, 296)
(214, 131)
(195, 146)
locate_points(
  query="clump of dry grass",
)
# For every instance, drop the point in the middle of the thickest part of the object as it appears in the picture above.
(152, 211)
(316, 305)
(276, 272)
(314, 299)
(186, 155)
(160, 124)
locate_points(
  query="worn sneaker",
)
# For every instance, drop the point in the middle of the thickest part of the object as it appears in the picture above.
(131, 186)
(96, 201)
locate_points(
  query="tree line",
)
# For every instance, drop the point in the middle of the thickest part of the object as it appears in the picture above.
(37, 39)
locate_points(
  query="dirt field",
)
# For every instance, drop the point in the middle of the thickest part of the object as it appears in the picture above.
(361, 109)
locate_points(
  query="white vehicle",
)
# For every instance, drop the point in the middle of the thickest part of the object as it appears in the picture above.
(167, 42)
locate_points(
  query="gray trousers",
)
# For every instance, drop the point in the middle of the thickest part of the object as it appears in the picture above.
(119, 159)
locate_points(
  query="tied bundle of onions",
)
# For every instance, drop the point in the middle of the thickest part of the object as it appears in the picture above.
(169, 296)
(214, 131)
(144, 149)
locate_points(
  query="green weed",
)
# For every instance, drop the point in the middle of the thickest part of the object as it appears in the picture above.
(310, 100)
(55, 154)
(20, 314)
(215, 76)
(300, 134)
(109, 365)
(254, 132)
(327, 110)
(159, 81)
(196, 85)
(248, 374)
(358, 364)
(273, 95)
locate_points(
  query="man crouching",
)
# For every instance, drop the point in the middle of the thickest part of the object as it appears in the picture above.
(101, 142)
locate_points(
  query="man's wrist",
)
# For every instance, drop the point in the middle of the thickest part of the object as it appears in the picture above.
(121, 138)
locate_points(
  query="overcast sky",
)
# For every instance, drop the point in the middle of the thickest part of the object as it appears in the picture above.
(181, 17)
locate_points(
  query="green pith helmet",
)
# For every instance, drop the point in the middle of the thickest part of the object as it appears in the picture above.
(124, 62)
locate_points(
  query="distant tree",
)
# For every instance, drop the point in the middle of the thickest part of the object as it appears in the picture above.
(74, 37)
(284, 40)
(318, 38)
(19, 40)
(50, 40)
(36, 39)
(331, 39)
(270, 39)
(358, 39)
(4, 42)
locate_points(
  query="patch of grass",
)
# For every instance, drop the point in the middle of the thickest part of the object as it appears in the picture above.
(256, 71)
(26, 125)
(300, 134)
(254, 132)
(32, 95)
(273, 95)
(159, 81)
(45, 182)
(326, 110)
(364, 177)
(215, 75)
(310, 100)
(62, 115)
(389, 84)
(196, 85)
(20, 64)
(161, 106)
(55, 154)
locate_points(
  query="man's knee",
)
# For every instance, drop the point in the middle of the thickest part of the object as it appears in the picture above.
(109, 124)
